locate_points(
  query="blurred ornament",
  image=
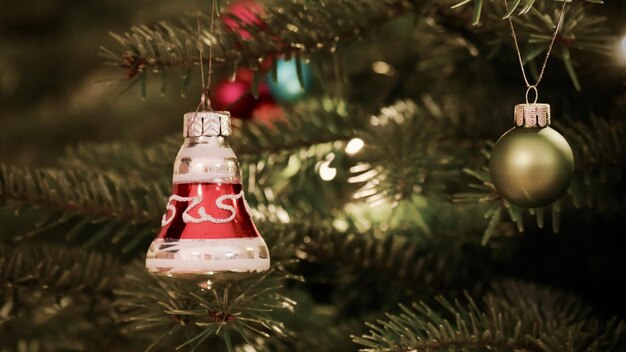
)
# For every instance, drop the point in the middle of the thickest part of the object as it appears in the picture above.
(236, 96)
(207, 231)
(242, 14)
(288, 88)
(532, 164)
(267, 111)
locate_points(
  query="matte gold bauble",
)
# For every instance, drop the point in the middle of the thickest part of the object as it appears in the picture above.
(532, 167)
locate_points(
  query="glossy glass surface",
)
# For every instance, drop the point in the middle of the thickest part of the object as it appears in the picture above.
(241, 225)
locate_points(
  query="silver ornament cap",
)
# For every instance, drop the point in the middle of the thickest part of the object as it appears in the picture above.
(207, 123)
(532, 115)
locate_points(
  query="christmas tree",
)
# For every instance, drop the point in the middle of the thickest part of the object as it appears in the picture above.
(363, 130)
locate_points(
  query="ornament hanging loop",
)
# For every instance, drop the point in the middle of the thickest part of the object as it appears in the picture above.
(545, 61)
(530, 89)
(205, 100)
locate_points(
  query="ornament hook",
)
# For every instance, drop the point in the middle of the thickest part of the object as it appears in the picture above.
(532, 88)
(205, 100)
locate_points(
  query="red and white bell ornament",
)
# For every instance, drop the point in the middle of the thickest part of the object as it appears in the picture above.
(207, 229)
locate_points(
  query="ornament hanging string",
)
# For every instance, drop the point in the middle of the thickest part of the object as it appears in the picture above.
(205, 100)
(533, 87)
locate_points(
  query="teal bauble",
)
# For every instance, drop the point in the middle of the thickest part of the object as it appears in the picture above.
(532, 166)
(288, 88)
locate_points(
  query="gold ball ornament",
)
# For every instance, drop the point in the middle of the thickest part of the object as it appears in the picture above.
(532, 164)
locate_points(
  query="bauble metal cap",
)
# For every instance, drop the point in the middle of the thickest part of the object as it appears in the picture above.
(206, 123)
(532, 115)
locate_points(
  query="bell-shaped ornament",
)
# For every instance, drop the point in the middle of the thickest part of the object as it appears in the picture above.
(207, 230)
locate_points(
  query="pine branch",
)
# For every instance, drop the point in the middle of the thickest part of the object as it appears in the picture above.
(34, 320)
(309, 126)
(56, 298)
(130, 161)
(515, 7)
(513, 317)
(83, 198)
(77, 192)
(281, 164)
(57, 269)
(188, 315)
(437, 262)
(336, 335)
(406, 154)
(581, 30)
(287, 28)
(600, 154)
(252, 142)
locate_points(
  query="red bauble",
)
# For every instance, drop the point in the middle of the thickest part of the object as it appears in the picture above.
(236, 96)
(241, 14)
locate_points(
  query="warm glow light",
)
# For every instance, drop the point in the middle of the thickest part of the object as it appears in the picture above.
(248, 348)
(383, 68)
(620, 51)
(206, 285)
(354, 146)
(327, 173)
(341, 225)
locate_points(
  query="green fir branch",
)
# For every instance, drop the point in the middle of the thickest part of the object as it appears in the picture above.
(600, 154)
(133, 162)
(75, 192)
(45, 322)
(513, 317)
(188, 315)
(319, 121)
(281, 163)
(287, 28)
(407, 152)
(56, 298)
(535, 25)
(395, 257)
(518, 7)
(85, 200)
(57, 269)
